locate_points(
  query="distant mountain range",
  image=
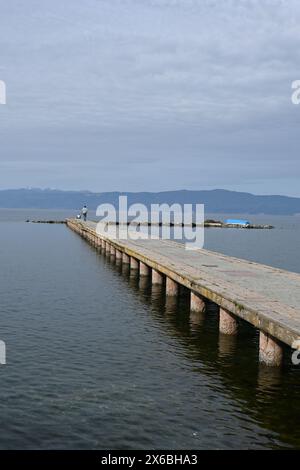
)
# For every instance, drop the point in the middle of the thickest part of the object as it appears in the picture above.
(218, 200)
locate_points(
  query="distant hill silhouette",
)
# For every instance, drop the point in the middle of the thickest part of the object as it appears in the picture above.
(218, 200)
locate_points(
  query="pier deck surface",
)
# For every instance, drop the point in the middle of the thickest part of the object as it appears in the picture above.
(266, 297)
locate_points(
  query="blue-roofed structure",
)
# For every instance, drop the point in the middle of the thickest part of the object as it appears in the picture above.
(241, 222)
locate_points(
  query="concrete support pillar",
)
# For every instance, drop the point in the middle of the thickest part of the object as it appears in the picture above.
(144, 269)
(125, 259)
(118, 254)
(227, 322)
(157, 277)
(134, 264)
(197, 302)
(172, 287)
(112, 250)
(107, 249)
(270, 350)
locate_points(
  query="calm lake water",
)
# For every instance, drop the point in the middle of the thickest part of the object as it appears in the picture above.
(98, 359)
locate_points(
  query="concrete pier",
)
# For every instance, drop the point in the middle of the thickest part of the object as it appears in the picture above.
(134, 264)
(265, 297)
(197, 302)
(118, 254)
(270, 350)
(157, 277)
(125, 259)
(172, 288)
(113, 250)
(144, 269)
(227, 322)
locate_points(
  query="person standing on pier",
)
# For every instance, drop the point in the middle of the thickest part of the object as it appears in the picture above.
(84, 212)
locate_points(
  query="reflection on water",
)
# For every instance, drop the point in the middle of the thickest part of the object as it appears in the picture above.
(227, 346)
(99, 358)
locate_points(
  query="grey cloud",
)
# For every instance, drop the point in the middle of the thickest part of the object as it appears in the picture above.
(199, 90)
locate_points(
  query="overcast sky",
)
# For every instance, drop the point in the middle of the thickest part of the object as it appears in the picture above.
(150, 95)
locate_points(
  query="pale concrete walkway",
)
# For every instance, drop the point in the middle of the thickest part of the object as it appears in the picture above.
(266, 297)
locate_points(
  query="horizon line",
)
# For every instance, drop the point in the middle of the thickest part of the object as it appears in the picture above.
(145, 192)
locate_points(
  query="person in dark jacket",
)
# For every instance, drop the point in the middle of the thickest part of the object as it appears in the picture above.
(84, 212)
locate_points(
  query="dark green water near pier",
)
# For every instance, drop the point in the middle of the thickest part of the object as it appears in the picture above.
(97, 358)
